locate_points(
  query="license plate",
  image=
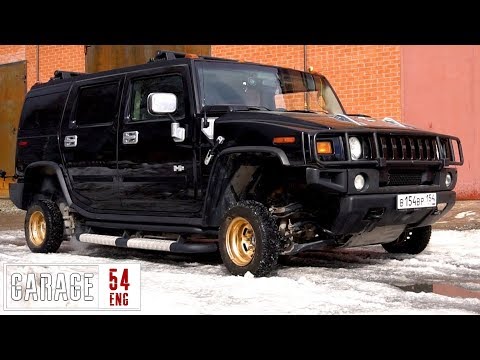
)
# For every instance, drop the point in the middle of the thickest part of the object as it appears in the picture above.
(416, 201)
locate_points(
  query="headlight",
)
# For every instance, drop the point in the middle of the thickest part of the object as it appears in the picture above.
(355, 148)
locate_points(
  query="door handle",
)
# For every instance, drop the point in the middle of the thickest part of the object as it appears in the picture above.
(70, 141)
(130, 137)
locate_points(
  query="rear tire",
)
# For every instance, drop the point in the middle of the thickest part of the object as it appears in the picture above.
(44, 227)
(249, 239)
(412, 241)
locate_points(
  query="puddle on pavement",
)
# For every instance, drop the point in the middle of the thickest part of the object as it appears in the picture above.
(444, 289)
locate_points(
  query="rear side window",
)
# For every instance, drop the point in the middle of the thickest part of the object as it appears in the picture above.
(97, 104)
(43, 112)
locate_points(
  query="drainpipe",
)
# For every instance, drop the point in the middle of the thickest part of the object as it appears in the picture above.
(38, 63)
(307, 100)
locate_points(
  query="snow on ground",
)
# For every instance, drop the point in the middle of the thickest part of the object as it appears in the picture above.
(463, 214)
(353, 281)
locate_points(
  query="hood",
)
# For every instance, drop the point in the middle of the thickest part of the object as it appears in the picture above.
(310, 121)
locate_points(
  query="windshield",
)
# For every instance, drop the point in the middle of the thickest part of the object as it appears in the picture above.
(265, 88)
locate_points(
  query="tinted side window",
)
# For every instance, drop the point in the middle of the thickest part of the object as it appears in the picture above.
(43, 112)
(97, 104)
(141, 88)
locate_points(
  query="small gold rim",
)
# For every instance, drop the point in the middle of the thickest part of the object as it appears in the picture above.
(37, 228)
(240, 241)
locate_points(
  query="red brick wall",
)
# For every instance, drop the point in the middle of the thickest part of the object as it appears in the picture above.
(366, 78)
(53, 57)
(280, 55)
(11, 53)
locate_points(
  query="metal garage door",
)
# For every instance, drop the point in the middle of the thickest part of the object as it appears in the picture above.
(106, 57)
(12, 93)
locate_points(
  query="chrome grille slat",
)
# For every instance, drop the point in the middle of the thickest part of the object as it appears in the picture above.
(420, 149)
(383, 146)
(412, 148)
(427, 146)
(404, 147)
(394, 148)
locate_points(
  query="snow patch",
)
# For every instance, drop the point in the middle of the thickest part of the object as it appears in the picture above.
(465, 214)
(248, 275)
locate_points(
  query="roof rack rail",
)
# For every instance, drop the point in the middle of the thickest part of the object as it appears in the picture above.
(60, 74)
(172, 55)
(167, 55)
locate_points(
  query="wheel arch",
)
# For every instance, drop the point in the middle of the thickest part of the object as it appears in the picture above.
(219, 195)
(43, 177)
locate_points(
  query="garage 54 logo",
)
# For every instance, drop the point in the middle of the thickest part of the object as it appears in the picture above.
(71, 287)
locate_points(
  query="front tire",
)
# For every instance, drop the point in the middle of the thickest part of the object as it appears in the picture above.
(44, 227)
(411, 241)
(249, 239)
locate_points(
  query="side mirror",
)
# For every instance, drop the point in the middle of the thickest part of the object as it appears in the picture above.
(161, 103)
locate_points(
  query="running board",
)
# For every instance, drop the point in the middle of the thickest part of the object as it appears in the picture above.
(149, 244)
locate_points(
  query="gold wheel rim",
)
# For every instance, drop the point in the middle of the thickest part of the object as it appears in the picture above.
(240, 241)
(38, 228)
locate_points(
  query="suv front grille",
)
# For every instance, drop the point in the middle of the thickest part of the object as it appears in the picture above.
(399, 147)
(384, 149)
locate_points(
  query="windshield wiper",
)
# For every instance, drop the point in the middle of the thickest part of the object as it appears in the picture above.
(257, 108)
(304, 111)
(363, 115)
(222, 109)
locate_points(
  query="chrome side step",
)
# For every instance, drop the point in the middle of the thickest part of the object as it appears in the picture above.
(149, 244)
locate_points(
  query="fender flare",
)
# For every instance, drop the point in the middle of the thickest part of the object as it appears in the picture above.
(51, 168)
(255, 149)
(212, 197)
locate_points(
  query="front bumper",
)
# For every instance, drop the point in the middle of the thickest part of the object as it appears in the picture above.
(363, 213)
(342, 181)
(355, 211)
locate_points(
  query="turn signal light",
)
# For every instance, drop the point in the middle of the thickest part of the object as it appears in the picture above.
(324, 148)
(284, 140)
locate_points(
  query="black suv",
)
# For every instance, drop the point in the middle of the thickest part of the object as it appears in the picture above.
(193, 154)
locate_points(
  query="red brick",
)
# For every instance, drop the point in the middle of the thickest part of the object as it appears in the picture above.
(11, 53)
(366, 78)
(53, 57)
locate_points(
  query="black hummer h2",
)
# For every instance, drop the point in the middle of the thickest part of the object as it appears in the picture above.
(197, 154)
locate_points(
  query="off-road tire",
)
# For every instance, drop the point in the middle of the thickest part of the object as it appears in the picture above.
(46, 218)
(266, 238)
(412, 241)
